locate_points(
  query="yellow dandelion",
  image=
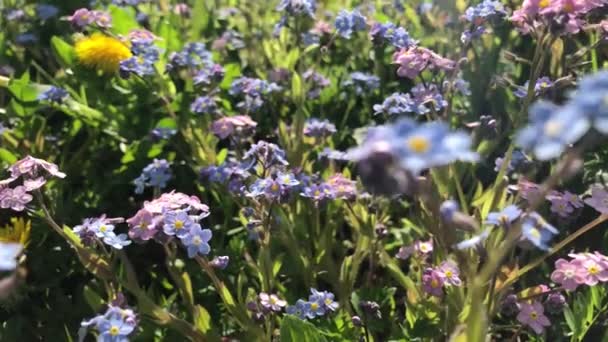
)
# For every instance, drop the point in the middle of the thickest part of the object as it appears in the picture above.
(17, 231)
(102, 52)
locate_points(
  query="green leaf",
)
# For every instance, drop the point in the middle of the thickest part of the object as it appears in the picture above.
(202, 319)
(63, 51)
(294, 329)
(23, 90)
(92, 298)
(7, 156)
(123, 19)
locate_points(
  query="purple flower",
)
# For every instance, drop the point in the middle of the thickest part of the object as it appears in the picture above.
(229, 125)
(204, 105)
(32, 168)
(555, 303)
(155, 174)
(362, 82)
(341, 187)
(145, 55)
(474, 241)
(208, 75)
(317, 83)
(325, 298)
(349, 22)
(177, 223)
(272, 302)
(14, 199)
(298, 7)
(432, 282)
(46, 11)
(197, 241)
(598, 199)
(81, 18)
(395, 104)
(193, 55)
(505, 217)
(573, 199)
(265, 154)
(533, 316)
(142, 225)
(542, 85)
(415, 59)
(561, 207)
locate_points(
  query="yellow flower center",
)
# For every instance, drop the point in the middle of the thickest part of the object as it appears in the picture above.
(328, 301)
(103, 229)
(434, 283)
(274, 187)
(102, 52)
(273, 300)
(593, 270)
(314, 306)
(197, 241)
(449, 274)
(544, 3)
(317, 192)
(143, 225)
(534, 315)
(114, 330)
(553, 128)
(419, 144)
(179, 224)
(535, 233)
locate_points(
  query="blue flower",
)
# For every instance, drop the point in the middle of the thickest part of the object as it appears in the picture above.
(197, 241)
(473, 241)
(191, 56)
(177, 223)
(542, 84)
(318, 128)
(102, 228)
(8, 255)
(552, 129)
(349, 22)
(117, 241)
(114, 330)
(362, 82)
(265, 154)
(401, 38)
(145, 55)
(315, 308)
(214, 73)
(300, 309)
(537, 231)
(485, 11)
(155, 174)
(53, 94)
(505, 217)
(287, 179)
(298, 7)
(46, 11)
(420, 147)
(395, 104)
(591, 100)
(204, 105)
(325, 298)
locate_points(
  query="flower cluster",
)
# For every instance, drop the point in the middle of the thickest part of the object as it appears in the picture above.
(116, 324)
(542, 85)
(31, 174)
(238, 125)
(193, 55)
(83, 17)
(53, 95)
(155, 175)
(583, 269)
(145, 55)
(478, 15)
(317, 83)
(566, 15)
(389, 32)
(349, 22)
(92, 231)
(319, 304)
(253, 90)
(435, 279)
(319, 128)
(362, 82)
(414, 60)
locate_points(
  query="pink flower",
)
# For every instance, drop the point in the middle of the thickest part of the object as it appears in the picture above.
(413, 60)
(568, 274)
(449, 271)
(272, 302)
(404, 252)
(598, 199)
(424, 248)
(143, 225)
(594, 267)
(31, 167)
(533, 316)
(226, 126)
(15, 199)
(176, 200)
(432, 282)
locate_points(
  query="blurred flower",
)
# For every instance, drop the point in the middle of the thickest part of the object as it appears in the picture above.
(101, 52)
(298, 7)
(415, 59)
(480, 14)
(573, 199)
(15, 199)
(117, 241)
(220, 262)
(272, 302)
(241, 125)
(555, 303)
(17, 231)
(182, 10)
(14, 14)
(265, 154)
(425, 99)
(362, 82)
(145, 55)
(142, 226)
(253, 90)
(474, 241)
(204, 105)
(318, 128)
(519, 162)
(561, 207)
(83, 17)
(209, 74)
(432, 282)
(537, 231)
(395, 104)
(162, 133)
(533, 316)
(9, 251)
(349, 22)
(197, 241)
(598, 199)
(370, 308)
(193, 55)
(46, 11)
(155, 174)
(552, 129)
(230, 39)
(505, 217)
(542, 84)
(510, 305)
(53, 94)
(26, 39)
(317, 83)
(300, 309)
(568, 274)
